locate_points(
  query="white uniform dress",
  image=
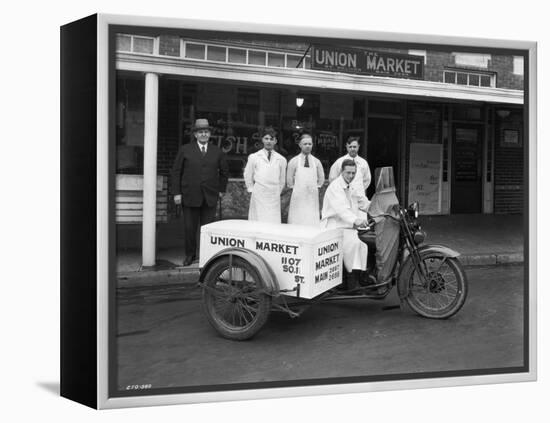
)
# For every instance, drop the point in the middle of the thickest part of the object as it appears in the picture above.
(305, 183)
(340, 210)
(265, 179)
(362, 177)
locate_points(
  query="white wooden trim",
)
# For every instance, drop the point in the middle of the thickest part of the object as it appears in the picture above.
(314, 78)
(150, 144)
(126, 182)
(156, 46)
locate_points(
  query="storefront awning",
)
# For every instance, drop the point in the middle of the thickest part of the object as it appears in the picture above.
(314, 79)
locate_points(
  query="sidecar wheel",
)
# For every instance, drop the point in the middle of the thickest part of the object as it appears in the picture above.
(233, 299)
(443, 292)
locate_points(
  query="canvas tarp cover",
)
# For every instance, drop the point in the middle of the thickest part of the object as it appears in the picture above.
(386, 228)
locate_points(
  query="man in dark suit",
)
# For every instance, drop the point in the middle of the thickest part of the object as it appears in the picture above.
(199, 177)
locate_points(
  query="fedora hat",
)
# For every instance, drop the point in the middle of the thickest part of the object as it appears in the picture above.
(201, 124)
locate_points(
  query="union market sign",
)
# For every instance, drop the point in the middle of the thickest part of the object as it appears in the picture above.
(368, 62)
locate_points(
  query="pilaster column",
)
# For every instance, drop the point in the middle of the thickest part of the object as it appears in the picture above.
(150, 169)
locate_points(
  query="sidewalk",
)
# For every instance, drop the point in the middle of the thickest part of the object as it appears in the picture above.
(480, 239)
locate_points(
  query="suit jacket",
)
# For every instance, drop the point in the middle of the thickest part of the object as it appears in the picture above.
(197, 177)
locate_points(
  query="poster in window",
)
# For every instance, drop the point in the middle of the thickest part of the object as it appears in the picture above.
(510, 138)
(425, 177)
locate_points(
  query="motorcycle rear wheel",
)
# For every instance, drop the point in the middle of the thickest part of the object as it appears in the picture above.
(444, 290)
(233, 299)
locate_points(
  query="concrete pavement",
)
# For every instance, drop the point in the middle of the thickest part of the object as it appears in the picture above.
(164, 339)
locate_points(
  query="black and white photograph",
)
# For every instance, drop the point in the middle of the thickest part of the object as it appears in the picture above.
(303, 210)
(294, 210)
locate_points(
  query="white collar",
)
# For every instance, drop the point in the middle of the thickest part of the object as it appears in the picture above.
(343, 183)
(205, 145)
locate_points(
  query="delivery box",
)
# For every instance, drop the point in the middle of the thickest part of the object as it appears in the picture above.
(298, 255)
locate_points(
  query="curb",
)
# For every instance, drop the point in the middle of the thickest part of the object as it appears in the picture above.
(152, 277)
(190, 275)
(491, 259)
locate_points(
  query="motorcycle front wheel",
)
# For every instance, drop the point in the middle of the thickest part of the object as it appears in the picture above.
(233, 299)
(442, 289)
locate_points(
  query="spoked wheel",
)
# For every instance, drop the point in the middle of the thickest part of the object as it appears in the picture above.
(233, 299)
(443, 290)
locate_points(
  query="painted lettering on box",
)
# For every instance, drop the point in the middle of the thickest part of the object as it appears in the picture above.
(276, 247)
(226, 241)
(325, 249)
(319, 265)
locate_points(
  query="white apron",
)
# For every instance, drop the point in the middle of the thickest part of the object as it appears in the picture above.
(355, 251)
(358, 179)
(265, 202)
(304, 203)
(359, 186)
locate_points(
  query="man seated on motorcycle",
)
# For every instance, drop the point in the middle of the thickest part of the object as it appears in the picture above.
(346, 207)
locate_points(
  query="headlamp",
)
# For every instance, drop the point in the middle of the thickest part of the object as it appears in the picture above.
(414, 210)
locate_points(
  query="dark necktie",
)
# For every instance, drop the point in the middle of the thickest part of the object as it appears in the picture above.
(348, 194)
(203, 150)
(306, 162)
(269, 156)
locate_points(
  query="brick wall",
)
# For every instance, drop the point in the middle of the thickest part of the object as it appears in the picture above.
(435, 62)
(504, 66)
(509, 188)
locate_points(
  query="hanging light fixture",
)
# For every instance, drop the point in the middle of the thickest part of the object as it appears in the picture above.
(299, 101)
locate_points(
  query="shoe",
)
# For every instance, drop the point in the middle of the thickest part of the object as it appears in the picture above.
(352, 281)
(367, 279)
(188, 260)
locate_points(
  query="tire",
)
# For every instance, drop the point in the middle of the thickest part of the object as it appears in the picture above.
(443, 293)
(236, 308)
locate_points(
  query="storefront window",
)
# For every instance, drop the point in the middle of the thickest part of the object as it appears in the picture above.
(256, 57)
(469, 78)
(130, 124)
(292, 60)
(426, 156)
(474, 80)
(237, 55)
(385, 107)
(123, 42)
(248, 104)
(144, 45)
(462, 78)
(485, 81)
(194, 51)
(461, 112)
(276, 60)
(238, 115)
(216, 53)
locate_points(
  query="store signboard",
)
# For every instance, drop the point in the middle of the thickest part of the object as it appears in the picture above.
(368, 62)
(425, 169)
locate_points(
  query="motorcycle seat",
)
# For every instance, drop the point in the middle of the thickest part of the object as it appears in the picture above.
(368, 237)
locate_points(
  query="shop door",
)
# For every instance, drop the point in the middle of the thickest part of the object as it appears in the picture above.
(384, 139)
(466, 169)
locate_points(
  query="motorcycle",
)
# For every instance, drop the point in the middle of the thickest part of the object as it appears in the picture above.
(243, 283)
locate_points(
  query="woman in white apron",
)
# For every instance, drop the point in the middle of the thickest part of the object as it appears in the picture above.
(264, 177)
(305, 175)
